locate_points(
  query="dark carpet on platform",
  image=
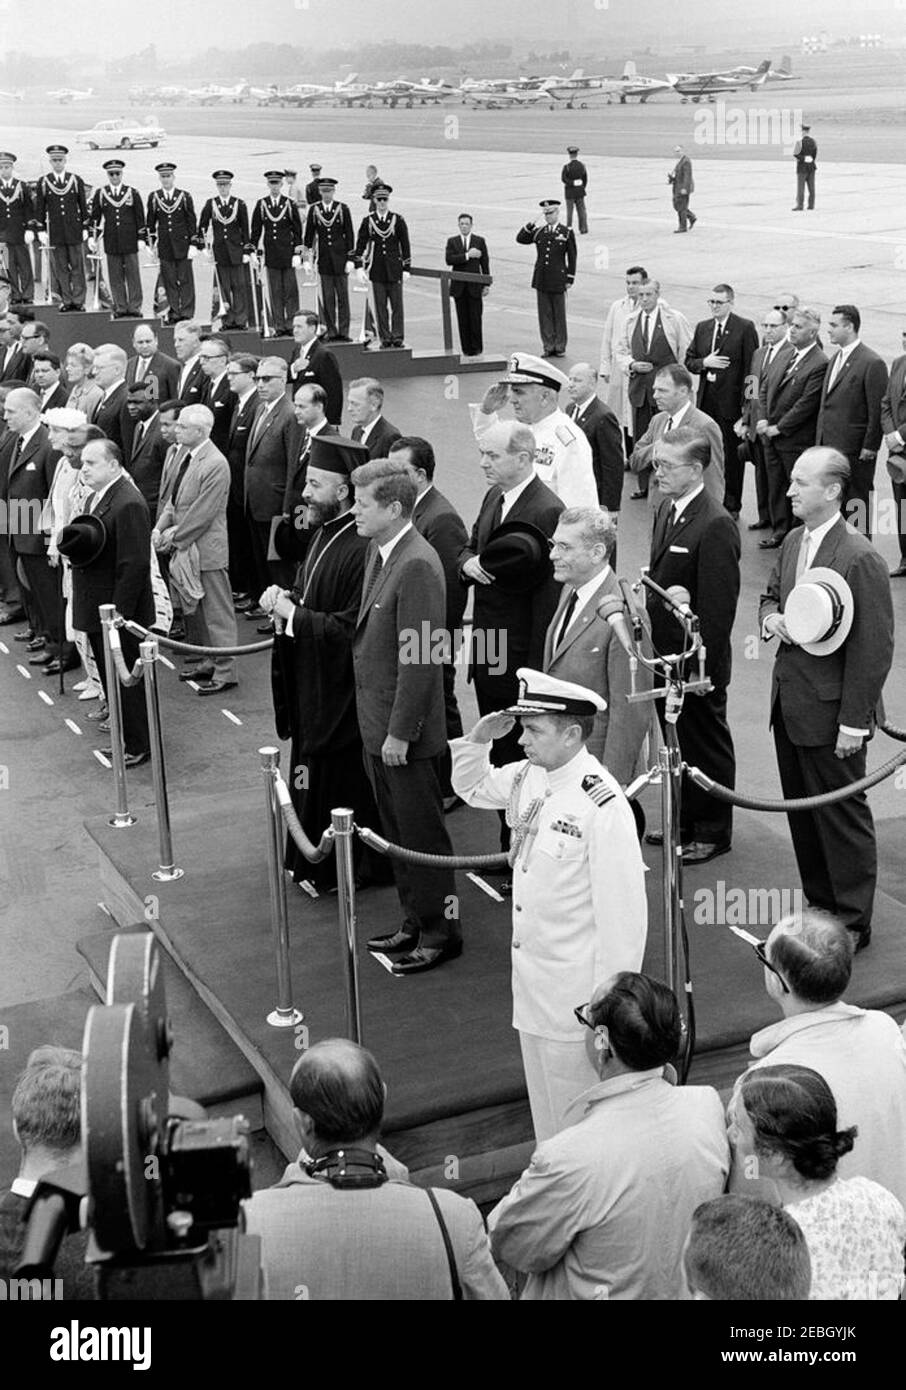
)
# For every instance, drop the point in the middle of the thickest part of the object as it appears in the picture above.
(444, 1039)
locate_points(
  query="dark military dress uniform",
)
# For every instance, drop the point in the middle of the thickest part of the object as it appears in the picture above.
(16, 218)
(382, 249)
(118, 213)
(574, 177)
(805, 153)
(328, 229)
(61, 209)
(172, 220)
(228, 219)
(555, 271)
(276, 219)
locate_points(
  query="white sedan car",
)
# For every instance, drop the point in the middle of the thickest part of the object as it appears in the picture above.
(121, 135)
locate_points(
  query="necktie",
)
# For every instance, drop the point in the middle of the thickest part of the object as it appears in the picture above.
(768, 358)
(646, 331)
(137, 438)
(669, 425)
(835, 370)
(376, 568)
(718, 334)
(17, 452)
(257, 430)
(357, 434)
(179, 477)
(496, 514)
(141, 367)
(804, 560)
(567, 615)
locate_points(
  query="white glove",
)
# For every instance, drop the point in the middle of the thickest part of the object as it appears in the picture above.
(29, 237)
(42, 237)
(92, 244)
(297, 262)
(246, 260)
(193, 252)
(361, 276)
(406, 275)
(84, 236)
(349, 268)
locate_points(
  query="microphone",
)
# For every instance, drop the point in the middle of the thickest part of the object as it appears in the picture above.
(679, 597)
(611, 609)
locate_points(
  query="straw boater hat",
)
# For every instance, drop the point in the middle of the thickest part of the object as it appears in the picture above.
(819, 611)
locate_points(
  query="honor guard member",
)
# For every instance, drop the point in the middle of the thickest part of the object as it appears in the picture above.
(574, 177)
(16, 232)
(330, 240)
(276, 223)
(312, 188)
(61, 221)
(228, 219)
(555, 271)
(172, 221)
(118, 214)
(383, 256)
(805, 153)
(579, 908)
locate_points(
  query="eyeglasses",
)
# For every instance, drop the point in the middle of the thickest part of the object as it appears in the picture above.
(581, 1013)
(212, 356)
(382, 200)
(761, 953)
(273, 377)
(783, 307)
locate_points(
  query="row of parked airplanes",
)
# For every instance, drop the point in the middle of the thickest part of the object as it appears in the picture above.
(580, 89)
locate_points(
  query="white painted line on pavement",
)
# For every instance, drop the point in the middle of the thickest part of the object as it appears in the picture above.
(73, 726)
(43, 695)
(231, 716)
(4, 649)
(485, 887)
(385, 961)
(104, 762)
(24, 671)
(165, 661)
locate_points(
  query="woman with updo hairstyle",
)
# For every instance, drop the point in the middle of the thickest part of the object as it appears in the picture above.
(785, 1119)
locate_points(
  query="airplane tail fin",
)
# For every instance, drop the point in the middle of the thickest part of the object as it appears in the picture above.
(786, 64)
(629, 68)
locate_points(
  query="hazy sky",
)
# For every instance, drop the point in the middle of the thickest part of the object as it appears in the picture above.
(179, 28)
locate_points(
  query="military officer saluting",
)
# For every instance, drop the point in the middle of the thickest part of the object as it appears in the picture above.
(555, 271)
(330, 240)
(383, 256)
(276, 223)
(579, 908)
(61, 221)
(173, 225)
(118, 213)
(16, 232)
(228, 219)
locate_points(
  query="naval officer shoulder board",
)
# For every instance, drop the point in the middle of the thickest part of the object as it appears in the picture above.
(597, 789)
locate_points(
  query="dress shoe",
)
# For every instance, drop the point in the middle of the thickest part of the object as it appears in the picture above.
(899, 572)
(100, 713)
(795, 209)
(861, 939)
(26, 636)
(399, 940)
(772, 543)
(200, 673)
(213, 687)
(40, 658)
(177, 632)
(654, 837)
(680, 231)
(255, 614)
(425, 958)
(758, 525)
(37, 644)
(637, 496)
(452, 803)
(129, 759)
(241, 605)
(701, 851)
(104, 726)
(266, 628)
(90, 692)
(692, 220)
(12, 615)
(53, 668)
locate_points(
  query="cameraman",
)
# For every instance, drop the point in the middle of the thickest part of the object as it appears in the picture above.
(344, 1222)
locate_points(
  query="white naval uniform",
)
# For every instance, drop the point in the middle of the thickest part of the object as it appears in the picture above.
(563, 457)
(579, 909)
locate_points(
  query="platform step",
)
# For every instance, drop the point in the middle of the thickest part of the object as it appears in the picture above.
(206, 1064)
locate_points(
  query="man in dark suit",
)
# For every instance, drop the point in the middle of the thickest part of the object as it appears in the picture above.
(27, 487)
(751, 446)
(696, 546)
(291, 538)
(330, 241)
(441, 525)
(789, 391)
(683, 185)
(719, 355)
(14, 361)
(110, 553)
(110, 412)
(602, 430)
(191, 382)
(13, 609)
(228, 220)
(554, 273)
(824, 703)
(468, 253)
(893, 423)
(509, 620)
(241, 370)
(383, 256)
(400, 701)
(673, 387)
(654, 336)
(314, 362)
(148, 448)
(365, 402)
(272, 445)
(214, 357)
(849, 414)
(152, 365)
(574, 177)
(276, 223)
(46, 380)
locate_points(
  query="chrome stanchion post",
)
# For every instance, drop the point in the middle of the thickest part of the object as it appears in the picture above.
(121, 817)
(670, 761)
(167, 870)
(283, 1015)
(343, 830)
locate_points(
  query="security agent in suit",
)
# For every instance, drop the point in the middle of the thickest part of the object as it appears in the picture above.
(292, 536)
(582, 646)
(574, 177)
(148, 448)
(602, 430)
(468, 253)
(683, 186)
(791, 378)
(751, 447)
(118, 214)
(400, 700)
(313, 362)
(385, 1239)
(441, 525)
(172, 229)
(893, 423)
(719, 355)
(25, 492)
(14, 360)
(61, 221)
(329, 238)
(152, 366)
(365, 403)
(805, 153)
(46, 380)
(383, 256)
(824, 700)
(228, 220)
(272, 447)
(849, 413)
(214, 357)
(241, 370)
(191, 382)
(110, 413)
(16, 231)
(277, 230)
(554, 273)
(110, 552)
(673, 400)
(696, 545)
(195, 515)
(654, 336)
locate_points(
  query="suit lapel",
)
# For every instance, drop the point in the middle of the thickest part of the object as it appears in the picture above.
(586, 614)
(844, 368)
(398, 550)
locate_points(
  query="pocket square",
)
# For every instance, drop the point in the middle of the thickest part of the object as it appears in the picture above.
(31, 468)
(679, 550)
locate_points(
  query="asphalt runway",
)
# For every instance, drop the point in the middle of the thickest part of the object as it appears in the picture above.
(853, 247)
